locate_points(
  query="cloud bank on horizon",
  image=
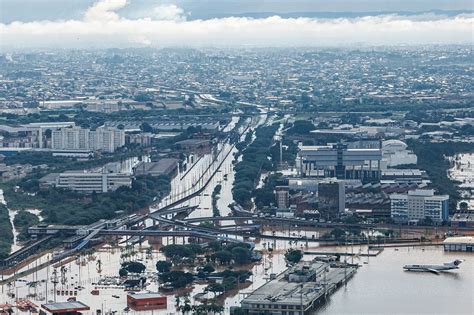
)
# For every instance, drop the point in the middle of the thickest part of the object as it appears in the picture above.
(166, 25)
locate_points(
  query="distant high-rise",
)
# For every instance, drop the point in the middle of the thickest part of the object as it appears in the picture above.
(282, 197)
(105, 139)
(331, 198)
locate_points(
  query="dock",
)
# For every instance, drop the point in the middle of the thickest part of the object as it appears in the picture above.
(298, 289)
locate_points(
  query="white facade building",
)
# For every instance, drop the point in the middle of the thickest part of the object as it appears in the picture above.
(89, 182)
(419, 204)
(104, 139)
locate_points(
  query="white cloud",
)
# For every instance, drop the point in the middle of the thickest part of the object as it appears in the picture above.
(102, 26)
(104, 10)
(168, 12)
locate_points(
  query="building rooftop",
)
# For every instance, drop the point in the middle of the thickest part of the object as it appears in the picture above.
(334, 131)
(331, 148)
(65, 307)
(149, 295)
(161, 166)
(402, 172)
(301, 284)
(193, 141)
(459, 240)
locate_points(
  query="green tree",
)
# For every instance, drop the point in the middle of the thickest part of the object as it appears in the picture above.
(123, 272)
(215, 288)
(293, 255)
(134, 267)
(223, 256)
(146, 127)
(241, 255)
(208, 268)
(178, 251)
(301, 127)
(163, 266)
(178, 279)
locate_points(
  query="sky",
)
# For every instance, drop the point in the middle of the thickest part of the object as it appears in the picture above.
(232, 23)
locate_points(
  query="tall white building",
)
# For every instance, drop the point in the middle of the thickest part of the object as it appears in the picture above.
(105, 139)
(419, 204)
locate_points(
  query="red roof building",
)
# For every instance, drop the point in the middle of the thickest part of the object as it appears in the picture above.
(146, 301)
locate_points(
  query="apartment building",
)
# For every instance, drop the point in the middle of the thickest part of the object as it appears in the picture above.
(105, 139)
(419, 204)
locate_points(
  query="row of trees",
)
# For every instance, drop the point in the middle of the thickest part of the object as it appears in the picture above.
(6, 232)
(215, 197)
(238, 253)
(207, 307)
(255, 159)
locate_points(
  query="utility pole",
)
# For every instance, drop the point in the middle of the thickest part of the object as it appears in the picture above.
(325, 283)
(301, 300)
(281, 152)
(368, 246)
(352, 249)
(47, 280)
(345, 270)
(345, 260)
